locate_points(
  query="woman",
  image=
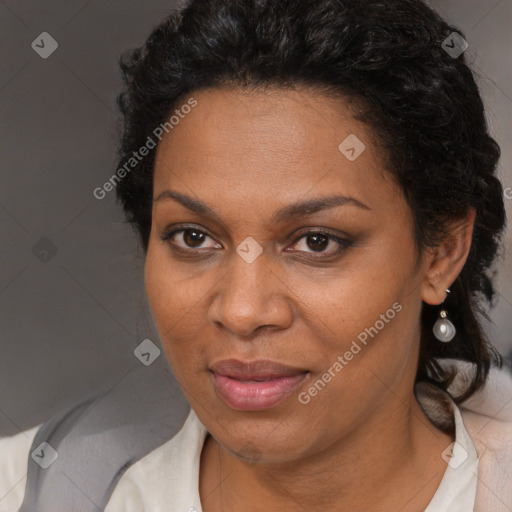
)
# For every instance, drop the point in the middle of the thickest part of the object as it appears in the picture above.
(314, 187)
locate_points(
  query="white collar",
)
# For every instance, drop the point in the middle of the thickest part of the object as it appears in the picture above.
(457, 490)
(168, 477)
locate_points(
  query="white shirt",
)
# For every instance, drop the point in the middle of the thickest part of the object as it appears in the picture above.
(167, 479)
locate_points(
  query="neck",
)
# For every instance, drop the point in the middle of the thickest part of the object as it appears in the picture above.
(390, 461)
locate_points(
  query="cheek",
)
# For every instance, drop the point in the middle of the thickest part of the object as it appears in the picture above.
(342, 305)
(175, 304)
(369, 316)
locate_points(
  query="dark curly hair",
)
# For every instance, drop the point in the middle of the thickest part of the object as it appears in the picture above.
(422, 104)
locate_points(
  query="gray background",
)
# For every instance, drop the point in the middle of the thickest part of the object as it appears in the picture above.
(71, 319)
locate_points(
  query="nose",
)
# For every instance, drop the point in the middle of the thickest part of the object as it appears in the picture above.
(251, 294)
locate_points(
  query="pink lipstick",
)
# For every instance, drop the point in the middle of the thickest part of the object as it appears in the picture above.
(255, 385)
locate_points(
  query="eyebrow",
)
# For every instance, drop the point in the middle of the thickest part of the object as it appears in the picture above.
(289, 212)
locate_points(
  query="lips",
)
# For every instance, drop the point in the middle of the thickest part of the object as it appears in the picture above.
(255, 385)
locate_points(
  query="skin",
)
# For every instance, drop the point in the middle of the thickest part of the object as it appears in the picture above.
(363, 443)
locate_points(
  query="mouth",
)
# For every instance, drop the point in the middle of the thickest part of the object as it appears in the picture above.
(255, 385)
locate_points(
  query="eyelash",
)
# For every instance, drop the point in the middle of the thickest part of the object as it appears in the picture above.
(344, 243)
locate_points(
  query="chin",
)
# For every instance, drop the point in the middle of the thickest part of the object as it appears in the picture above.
(260, 447)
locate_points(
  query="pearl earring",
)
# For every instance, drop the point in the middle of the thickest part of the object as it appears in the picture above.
(443, 329)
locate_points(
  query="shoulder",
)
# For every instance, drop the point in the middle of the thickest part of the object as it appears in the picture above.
(165, 478)
(14, 454)
(487, 416)
(489, 411)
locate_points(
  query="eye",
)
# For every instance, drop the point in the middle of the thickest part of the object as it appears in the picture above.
(318, 241)
(191, 238)
(187, 239)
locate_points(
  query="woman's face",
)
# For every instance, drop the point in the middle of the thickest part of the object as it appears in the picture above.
(249, 281)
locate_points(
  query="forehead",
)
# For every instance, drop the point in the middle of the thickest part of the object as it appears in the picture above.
(287, 143)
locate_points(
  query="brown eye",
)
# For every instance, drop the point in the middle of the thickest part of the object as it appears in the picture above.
(191, 238)
(318, 242)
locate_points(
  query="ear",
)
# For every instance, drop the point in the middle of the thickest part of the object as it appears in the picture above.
(445, 262)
